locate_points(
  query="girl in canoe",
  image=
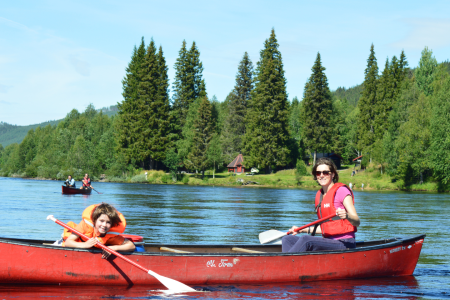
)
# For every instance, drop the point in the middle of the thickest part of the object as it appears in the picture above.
(100, 222)
(333, 197)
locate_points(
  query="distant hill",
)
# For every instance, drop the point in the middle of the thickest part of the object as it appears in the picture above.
(10, 134)
(351, 94)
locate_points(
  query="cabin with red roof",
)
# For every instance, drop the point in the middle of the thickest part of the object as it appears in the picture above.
(237, 165)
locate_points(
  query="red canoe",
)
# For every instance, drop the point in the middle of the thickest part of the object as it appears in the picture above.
(73, 191)
(36, 262)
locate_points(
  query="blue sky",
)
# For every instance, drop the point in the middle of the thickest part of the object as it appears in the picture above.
(60, 55)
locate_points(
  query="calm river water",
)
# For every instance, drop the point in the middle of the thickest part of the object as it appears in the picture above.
(221, 215)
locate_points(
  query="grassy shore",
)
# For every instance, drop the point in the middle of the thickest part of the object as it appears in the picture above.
(371, 177)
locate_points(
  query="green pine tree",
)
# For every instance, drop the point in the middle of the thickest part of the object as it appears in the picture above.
(188, 84)
(126, 136)
(317, 111)
(266, 142)
(234, 124)
(203, 133)
(367, 103)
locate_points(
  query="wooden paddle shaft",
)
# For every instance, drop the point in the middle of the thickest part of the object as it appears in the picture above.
(73, 230)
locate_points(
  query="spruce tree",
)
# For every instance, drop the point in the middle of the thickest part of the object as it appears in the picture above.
(367, 103)
(267, 135)
(317, 111)
(203, 133)
(126, 136)
(383, 100)
(234, 125)
(188, 84)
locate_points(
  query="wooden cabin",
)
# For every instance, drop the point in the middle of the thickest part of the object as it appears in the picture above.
(237, 165)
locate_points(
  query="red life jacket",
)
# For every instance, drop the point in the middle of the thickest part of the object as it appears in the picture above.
(327, 208)
(88, 182)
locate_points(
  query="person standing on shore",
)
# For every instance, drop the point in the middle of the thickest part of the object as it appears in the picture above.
(333, 197)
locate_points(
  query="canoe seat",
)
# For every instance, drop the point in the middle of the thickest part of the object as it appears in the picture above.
(173, 250)
(245, 250)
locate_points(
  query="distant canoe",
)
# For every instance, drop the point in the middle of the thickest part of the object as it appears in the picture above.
(38, 262)
(73, 191)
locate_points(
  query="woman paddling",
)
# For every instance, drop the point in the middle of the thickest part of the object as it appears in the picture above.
(100, 222)
(333, 197)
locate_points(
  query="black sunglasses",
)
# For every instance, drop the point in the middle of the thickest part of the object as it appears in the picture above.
(325, 173)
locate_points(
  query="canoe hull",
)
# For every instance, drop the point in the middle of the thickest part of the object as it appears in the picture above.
(27, 262)
(74, 191)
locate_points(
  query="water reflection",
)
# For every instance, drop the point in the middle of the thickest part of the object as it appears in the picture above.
(398, 288)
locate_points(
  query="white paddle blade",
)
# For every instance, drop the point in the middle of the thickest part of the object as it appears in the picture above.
(171, 284)
(270, 235)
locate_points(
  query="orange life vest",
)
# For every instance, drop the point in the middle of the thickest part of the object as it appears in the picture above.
(88, 226)
(327, 208)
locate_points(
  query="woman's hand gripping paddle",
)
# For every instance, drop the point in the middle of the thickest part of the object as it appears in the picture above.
(272, 235)
(173, 285)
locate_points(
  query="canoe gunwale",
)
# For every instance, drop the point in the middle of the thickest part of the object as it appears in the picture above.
(384, 243)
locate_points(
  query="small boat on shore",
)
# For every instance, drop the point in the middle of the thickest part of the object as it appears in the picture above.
(40, 262)
(74, 191)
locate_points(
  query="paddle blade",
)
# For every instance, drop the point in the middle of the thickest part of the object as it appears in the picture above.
(172, 285)
(270, 235)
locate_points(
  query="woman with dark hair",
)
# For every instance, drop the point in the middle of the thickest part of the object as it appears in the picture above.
(333, 197)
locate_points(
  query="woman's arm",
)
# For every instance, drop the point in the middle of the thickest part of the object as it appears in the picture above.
(349, 212)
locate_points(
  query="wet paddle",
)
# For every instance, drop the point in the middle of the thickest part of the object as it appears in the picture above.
(171, 284)
(272, 235)
(96, 190)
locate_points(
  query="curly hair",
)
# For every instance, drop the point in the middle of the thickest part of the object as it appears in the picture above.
(108, 210)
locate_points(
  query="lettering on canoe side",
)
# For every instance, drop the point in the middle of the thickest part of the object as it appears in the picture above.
(108, 277)
(397, 249)
(223, 263)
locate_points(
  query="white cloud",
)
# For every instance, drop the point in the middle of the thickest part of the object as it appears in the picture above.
(425, 32)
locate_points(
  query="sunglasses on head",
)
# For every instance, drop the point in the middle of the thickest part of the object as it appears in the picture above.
(325, 173)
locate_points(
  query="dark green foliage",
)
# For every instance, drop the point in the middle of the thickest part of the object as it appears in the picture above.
(128, 109)
(266, 142)
(367, 103)
(317, 111)
(439, 150)
(172, 162)
(300, 168)
(234, 123)
(188, 84)
(352, 94)
(203, 132)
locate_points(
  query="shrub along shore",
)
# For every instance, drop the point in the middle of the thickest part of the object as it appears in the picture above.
(369, 179)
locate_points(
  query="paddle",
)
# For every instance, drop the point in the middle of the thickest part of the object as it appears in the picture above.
(96, 190)
(171, 284)
(272, 235)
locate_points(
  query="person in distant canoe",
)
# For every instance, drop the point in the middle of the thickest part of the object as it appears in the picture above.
(100, 222)
(86, 182)
(333, 197)
(70, 182)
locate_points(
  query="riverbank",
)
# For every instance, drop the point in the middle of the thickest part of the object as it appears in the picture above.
(369, 179)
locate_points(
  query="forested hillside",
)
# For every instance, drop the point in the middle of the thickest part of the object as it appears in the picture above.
(397, 119)
(10, 134)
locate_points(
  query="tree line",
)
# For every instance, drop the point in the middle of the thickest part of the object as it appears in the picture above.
(396, 119)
